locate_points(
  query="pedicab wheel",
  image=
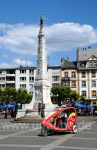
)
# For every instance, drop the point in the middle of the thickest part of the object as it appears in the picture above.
(44, 131)
(74, 129)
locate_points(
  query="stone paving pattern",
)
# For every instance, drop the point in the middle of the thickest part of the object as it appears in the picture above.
(27, 137)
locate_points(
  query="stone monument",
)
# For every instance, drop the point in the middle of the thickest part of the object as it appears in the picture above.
(41, 93)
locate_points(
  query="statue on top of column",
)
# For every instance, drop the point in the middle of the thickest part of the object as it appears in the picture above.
(41, 21)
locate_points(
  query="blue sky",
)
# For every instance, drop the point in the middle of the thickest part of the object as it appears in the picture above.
(68, 24)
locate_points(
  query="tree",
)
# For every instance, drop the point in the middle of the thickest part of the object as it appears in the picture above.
(1, 96)
(8, 96)
(65, 94)
(22, 97)
(73, 97)
(60, 93)
(85, 101)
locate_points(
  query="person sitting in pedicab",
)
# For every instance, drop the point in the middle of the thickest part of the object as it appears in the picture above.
(71, 114)
(60, 120)
(57, 120)
(64, 119)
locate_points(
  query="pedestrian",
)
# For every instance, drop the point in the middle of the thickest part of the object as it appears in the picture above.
(39, 108)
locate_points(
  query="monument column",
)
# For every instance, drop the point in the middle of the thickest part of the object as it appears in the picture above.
(41, 93)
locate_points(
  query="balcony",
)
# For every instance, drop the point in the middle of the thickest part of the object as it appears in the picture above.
(10, 84)
(65, 78)
(11, 75)
(10, 81)
(10, 72)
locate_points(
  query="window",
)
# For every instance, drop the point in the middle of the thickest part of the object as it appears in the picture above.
(2, 85)
(2, 72)
(91, 64)
(83, 83)
(2, 78)
(66, 84)
(66, 74)
(73, 74)
(93, 83)
(55, 78)
(55, 84)
(31, 79)
(83, 65)
(31, 72)
(84, 93)
(94, 94)
(73, 84)
(23, 86)
(83, 74)
(30, 92)
(30, 86)
(93, 74)
(95, 64)
(22, 71)
(22, 78)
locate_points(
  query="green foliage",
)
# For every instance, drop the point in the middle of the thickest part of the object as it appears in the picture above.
(65, 94)
(73, 97)
(10, 95)
(1, 96)
(24, 97)
(85, 101)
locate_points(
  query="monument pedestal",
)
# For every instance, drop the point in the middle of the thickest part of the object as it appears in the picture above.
(28, 116)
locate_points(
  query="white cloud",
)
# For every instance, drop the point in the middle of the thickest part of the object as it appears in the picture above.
(5, 65)
(60, 37)
(19, 62)
(16, 63)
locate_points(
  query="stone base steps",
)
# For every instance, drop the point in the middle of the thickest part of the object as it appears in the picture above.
(27, 120)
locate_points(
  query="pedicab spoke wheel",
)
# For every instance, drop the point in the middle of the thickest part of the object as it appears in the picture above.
(74, 129)
(44, 131)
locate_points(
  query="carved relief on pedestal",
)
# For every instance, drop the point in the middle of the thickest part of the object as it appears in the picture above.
(38, 95)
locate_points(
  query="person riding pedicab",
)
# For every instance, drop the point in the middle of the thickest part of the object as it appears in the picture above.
(57, 120)
(72, 114)
(60, 120)
(64, 119)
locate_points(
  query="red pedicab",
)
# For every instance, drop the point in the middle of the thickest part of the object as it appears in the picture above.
(64, 120)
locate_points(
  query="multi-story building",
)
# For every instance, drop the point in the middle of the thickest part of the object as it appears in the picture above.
(7, 78)
(69, 74)
(87, 73)
(54, 74)
(23, 77)
(80, 76)
(2, 78)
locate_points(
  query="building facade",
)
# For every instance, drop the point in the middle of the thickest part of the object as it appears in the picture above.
(69, 74)
(87, 73)
(80, 76)
(23, 77)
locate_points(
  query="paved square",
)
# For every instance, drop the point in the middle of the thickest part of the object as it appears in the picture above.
(27, 137)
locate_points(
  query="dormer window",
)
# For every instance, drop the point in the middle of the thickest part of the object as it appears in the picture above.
(91, 64)
(95, 64)
(83, 65)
